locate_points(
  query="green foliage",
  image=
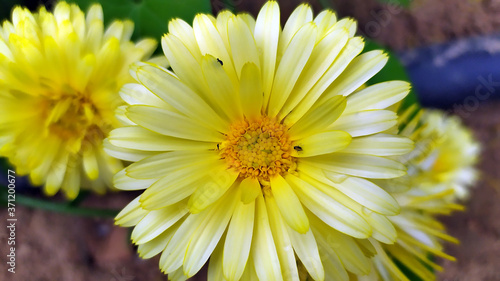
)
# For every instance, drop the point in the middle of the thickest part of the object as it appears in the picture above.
(151, 17)
(404, 3)
(393, 70)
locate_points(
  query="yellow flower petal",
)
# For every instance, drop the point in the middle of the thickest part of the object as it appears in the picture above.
(242, 44)
(306, 248)
(138, 138)
(214, 187)
(264, 254)
(238, 240)
(318, 118)
(250, 189)
(156, 222)
(207, 235)
(330, 211)
(291, 64)
(380, 145)
(378, 96)
(251, 91)
(283, 243)
(153, 118)
(131, 214)
(266, 33)
(289, 205)
(366, 166)
(166, 86)
(221, 88)
(321, 143)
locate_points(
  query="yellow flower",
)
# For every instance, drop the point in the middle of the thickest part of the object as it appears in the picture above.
(60, 74)
(440, 171)
(258, 140)
(450, 166)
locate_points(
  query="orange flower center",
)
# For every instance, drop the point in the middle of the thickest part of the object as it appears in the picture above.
(258, 149)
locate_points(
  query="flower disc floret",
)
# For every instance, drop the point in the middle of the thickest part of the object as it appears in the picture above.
(258, 149)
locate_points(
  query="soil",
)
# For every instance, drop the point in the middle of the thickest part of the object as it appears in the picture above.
(53, 246)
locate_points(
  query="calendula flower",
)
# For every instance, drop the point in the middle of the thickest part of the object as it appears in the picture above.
(60, 74)
(257, 140)
(450, 166)
(440, 171)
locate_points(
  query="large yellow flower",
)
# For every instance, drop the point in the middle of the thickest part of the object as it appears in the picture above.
(259, 139)
(60, 74)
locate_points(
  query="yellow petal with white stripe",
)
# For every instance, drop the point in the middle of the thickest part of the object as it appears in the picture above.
(329, 210)
(264, 254)
(380, 145)
(216, 184)
(289, 205)
(242, 44)
(366, 122)
(281, 237)
(362, 68)
(318, 118)
(306, 248)
(207, 235)
(299, 17)
(322, 57)
(223, 91)
(178, 185)
(290, 67)
(169, 88)
(366, 193)
(378, 96)
(365, 166)
(137, 138)
(266, 33)
(211, 43)
(184, 32)
(185, 65)
(321, 143)
(162, 164)
(171, 124)
(158, 244)
(238, 240)
(131, 214)
(353, 47)
(123, 182)
(155, 222)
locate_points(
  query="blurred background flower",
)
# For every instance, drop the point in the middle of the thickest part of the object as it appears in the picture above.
(60, 76)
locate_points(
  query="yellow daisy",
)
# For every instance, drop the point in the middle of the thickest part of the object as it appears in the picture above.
(257, 140)
(450, 166)
(440, 171)
(60, 74)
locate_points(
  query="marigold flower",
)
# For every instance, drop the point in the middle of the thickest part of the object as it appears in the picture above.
(60, 74)
(259, 139)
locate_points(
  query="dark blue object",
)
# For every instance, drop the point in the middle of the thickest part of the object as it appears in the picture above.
(458, 75)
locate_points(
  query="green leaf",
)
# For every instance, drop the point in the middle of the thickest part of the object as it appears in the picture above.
(151, 17)
(393, 70)
(404, 3)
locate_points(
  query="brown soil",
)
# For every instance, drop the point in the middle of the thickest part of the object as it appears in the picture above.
(54, 247)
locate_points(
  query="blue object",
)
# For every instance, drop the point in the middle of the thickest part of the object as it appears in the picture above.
(458, 74)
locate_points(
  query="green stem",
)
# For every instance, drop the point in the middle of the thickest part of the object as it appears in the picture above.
(65, 208)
